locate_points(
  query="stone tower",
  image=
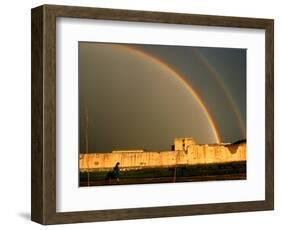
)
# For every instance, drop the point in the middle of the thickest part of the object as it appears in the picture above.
(182, 143)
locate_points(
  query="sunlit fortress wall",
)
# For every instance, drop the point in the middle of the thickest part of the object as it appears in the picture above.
(186, 153)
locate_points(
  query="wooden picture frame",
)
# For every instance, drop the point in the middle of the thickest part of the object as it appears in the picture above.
(43, 170)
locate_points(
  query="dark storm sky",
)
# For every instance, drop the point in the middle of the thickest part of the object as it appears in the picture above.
(130, 99)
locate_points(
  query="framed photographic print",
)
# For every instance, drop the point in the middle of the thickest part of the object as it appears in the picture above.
(139, 114)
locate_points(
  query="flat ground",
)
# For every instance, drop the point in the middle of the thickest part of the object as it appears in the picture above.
(213, 172)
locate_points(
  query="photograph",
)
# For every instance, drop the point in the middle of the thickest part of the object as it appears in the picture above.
(152, 113)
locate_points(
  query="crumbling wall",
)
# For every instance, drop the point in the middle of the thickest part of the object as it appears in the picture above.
(194, 154)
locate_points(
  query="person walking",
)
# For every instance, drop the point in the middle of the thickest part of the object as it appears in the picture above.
(114, 174)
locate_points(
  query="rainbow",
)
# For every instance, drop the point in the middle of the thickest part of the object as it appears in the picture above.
(230, 100)
(179, 77)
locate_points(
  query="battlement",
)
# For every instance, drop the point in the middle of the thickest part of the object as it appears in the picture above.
(182, 143)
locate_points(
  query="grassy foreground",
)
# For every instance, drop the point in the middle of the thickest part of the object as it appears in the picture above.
(229, 171)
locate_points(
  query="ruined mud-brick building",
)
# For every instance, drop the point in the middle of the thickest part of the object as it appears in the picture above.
(184, 152)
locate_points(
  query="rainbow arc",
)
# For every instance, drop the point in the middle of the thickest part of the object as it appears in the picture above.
(180, 78)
